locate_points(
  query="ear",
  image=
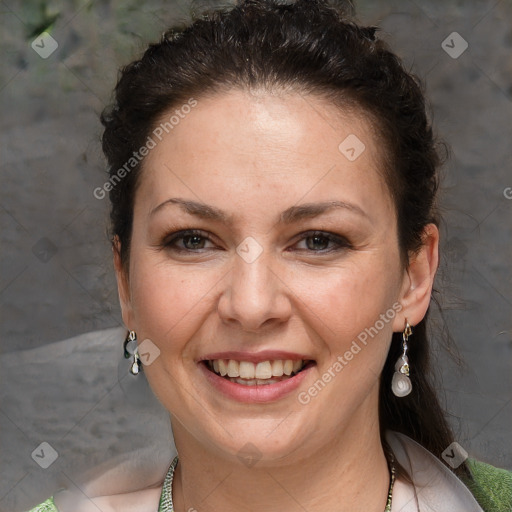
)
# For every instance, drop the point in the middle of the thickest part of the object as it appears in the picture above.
(123, 285)
(418, 280)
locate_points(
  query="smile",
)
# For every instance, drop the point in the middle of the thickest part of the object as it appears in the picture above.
(251, 374)
(248, 381)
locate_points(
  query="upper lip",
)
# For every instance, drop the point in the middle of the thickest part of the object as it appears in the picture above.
(255, 357)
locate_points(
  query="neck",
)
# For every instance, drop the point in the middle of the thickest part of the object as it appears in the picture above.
(334, 477)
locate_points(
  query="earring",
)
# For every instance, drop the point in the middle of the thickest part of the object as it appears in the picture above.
(136, 366)
(401, 384)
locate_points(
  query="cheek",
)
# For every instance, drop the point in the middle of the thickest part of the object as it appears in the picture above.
(347, 300)
(164, 297)
(345, 308)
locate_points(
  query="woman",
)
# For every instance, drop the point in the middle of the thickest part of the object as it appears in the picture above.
(273, 181)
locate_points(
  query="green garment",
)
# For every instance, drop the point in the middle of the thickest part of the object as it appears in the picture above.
(47, 506)
(491, 487)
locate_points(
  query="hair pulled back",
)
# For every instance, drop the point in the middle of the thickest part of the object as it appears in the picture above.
(309, 47)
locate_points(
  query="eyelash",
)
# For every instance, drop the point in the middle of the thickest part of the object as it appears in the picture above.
(340, 242)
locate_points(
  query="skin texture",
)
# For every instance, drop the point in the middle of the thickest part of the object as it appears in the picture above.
(253, 155)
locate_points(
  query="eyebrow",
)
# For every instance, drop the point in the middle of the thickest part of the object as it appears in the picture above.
(289, 216)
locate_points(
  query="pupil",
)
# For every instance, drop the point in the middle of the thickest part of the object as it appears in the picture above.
(317, 238)
(196, 238)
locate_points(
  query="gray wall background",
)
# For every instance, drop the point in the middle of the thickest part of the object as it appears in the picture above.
(56, 278)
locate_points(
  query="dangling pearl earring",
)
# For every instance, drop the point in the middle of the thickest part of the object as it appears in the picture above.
(137, 363)
(401, 384)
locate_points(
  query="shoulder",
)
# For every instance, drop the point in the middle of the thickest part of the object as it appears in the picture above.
(137, 501)
(491, 486)
(47, 506)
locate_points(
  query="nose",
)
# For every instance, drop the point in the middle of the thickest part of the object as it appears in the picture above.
(256, 296)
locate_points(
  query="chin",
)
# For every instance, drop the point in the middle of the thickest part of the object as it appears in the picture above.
(263, 444)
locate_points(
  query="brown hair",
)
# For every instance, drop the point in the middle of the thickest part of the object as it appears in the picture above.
(311, 47)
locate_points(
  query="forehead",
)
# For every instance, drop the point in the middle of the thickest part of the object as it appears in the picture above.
(242, 149)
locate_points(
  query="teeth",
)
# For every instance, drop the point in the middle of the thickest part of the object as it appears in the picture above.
(222, 367)
(247, 370)
(253, 382)
(263, 370)
(266, 381)
(260, 373)
(277, 368)
(233, 368)
(248, 382)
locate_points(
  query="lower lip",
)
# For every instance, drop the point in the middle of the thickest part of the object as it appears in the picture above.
(262, 393)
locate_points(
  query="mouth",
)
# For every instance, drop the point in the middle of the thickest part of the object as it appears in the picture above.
(262, 373)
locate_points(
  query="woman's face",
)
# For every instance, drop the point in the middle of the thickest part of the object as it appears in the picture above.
(254, 175)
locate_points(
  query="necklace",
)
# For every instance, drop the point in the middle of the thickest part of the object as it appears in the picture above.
(166, 505)
(391, 482)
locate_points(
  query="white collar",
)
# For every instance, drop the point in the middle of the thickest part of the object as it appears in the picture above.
(437, 488)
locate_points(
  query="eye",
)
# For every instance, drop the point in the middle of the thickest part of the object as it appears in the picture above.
(318, 241)
(192, 239)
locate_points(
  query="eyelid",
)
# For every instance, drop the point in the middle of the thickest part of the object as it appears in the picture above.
(182, 233)
(340, 242)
